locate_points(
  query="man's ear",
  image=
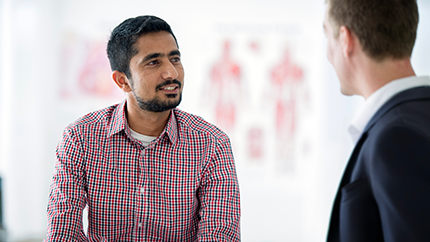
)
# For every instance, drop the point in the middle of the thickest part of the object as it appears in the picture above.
(347, 41)
(121, 81)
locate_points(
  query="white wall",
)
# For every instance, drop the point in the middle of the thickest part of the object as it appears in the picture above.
(28, 89)
(44, 46)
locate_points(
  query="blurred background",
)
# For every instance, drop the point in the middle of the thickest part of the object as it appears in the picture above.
(255, 68)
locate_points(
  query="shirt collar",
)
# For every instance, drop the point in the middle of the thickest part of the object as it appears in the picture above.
(379, 98)
(171, 129)
(119, 123)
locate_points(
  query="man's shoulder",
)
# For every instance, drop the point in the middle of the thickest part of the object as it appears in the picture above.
(403, 124)
(99, 118)
(193, 123)
(414, 113)
(409, 107)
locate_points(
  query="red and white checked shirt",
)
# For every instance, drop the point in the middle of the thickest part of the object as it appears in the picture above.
(181, 187)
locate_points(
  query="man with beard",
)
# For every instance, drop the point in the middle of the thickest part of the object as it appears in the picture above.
(384, 194)
(146, 170)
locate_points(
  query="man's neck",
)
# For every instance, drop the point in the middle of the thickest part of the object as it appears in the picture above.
(145, 122)
(374, 74)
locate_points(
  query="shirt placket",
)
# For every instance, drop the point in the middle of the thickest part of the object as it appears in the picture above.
(141, 197)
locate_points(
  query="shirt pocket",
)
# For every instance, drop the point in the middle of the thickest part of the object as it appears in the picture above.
(353, 190)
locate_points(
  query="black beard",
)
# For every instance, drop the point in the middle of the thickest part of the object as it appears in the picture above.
(156, 105)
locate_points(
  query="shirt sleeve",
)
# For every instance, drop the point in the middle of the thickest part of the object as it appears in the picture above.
(67, 196)
(219, 198)
(400, 178)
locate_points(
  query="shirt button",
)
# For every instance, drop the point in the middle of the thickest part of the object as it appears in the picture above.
(139, 225)
(142, 190)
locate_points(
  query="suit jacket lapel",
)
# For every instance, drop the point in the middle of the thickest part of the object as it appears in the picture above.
(333, 234)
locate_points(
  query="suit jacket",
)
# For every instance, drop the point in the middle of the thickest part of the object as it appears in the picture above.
(384, 194)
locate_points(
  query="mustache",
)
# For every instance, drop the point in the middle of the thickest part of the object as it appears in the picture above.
(168, 82)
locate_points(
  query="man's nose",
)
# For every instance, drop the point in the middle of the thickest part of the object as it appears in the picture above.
(169, 71)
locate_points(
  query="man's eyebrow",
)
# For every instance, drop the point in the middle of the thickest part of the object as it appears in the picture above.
(175, 52)
(151, 56)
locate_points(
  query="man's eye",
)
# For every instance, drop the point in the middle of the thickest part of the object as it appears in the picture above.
(176, 59)
(154, 62)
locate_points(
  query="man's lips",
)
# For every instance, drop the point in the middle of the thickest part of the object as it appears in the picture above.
(169, 85)
(169, 88)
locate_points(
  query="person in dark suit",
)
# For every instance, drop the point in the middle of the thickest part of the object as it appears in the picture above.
(384, 194)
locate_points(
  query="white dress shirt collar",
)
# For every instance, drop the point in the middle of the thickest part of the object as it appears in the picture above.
(379, 98)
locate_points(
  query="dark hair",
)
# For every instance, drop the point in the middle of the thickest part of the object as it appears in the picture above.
(385, 28)
(121, 46)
